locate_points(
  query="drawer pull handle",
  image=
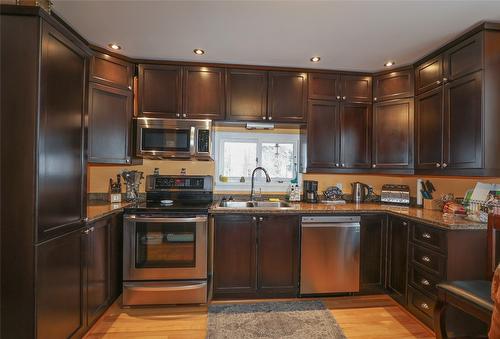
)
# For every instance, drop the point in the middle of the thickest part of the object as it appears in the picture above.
(426, 258)
(426, 235)
(425, 282)
(424, 306)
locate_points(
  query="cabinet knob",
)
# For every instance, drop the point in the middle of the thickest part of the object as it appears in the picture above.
(424, 306)
(87, 231)
(270, 118)
(405, 223)
(344, 97)
(338, 97)
(445, 79)
(263, 118)
(438, 164)
(127, 161)
(130, 87)
(426, 235)
(261, 218)
(184, 115)
(374, 165)
(425, 282)
(426, 258)
(445, 165)
(343, 165)
(375, 99)
(438, 82)
(337, 165)
(177, 115)
(254, 218)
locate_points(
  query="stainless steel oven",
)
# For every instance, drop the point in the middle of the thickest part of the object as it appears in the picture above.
(160, 138)
(164, 259)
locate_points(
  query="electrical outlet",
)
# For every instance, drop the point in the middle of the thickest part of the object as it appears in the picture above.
(339, 185)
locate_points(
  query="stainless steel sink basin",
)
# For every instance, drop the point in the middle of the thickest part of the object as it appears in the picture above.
(255, 204)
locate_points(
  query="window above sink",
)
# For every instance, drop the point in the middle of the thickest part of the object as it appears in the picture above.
(238, 153)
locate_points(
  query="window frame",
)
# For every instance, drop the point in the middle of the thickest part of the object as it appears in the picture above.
(276, 184)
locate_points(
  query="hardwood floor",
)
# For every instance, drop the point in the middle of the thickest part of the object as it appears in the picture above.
(360, 317)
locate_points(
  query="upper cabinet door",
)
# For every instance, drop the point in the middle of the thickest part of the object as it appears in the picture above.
(356, 88)
(355, 121)
(323, 134)
(110, 117)
(463, 120)
(324, 86)
(394, 85)
(287, 99)
(393, 134)
(429, 75)
(246, 94)
(429, 129)
(464, 58)
(204, 93)
(111, 71)
(160, 90)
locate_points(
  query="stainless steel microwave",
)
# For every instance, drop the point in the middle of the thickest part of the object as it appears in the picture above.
(160, 138)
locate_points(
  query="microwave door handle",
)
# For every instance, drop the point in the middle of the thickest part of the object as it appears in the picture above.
(165, 220)
(192, 149)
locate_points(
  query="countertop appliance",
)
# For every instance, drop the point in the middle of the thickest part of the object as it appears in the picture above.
(310, 191)
(165, 241)
(329, 254)
(395, 194)
(160, 138)
(359, 191)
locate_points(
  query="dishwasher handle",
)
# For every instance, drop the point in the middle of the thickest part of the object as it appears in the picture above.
(331, 225)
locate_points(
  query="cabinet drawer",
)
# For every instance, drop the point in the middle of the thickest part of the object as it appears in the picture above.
(423, 280)
(430, 260)
(421, 305)
(429, 236)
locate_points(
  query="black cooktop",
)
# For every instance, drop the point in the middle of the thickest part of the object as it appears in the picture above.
(176, 207)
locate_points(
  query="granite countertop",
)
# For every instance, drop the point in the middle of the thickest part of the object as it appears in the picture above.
(436, 218)
(99, 209)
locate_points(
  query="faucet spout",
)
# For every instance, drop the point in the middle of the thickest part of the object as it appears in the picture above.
(268, 179)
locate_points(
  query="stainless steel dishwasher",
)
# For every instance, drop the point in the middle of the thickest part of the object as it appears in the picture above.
(329, 254)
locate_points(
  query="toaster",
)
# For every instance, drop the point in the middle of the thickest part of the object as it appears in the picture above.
(396, 194)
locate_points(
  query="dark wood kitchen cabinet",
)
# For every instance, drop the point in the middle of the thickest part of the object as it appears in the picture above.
(203, 93)
(246, 95)
(356, 88)
(278, 255)
(429, 118)
(323, 144)
(235, 242)
(60, 291)
(373, 253)
(324, 86)
(43, 178)
(110, 125)
(345, 87)
(429, 75)
(397, 259)
(287, 97)
(160, 90)
(392, 142)
(248, 259)
(396, 84)
(355, 135)
(111, 71)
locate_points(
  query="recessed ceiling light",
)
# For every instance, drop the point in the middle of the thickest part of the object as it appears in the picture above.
(115, 46)
(315, 59)
(198, 51)
(389, 63)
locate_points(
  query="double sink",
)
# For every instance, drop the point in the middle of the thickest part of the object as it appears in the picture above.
(255, 204)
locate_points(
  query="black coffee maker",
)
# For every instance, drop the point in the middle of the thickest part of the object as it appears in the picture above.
(310, 188)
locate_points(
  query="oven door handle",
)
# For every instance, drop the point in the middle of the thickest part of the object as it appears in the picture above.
(149, 288)
(135, 218)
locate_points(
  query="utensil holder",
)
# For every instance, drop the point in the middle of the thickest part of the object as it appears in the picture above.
(432, 204)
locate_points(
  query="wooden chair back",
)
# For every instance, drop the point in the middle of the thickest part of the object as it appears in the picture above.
(493, 245)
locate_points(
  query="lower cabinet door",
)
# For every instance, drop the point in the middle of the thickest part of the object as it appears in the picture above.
(234, 256)
(372, 253)
(398, 259)
(60, 276)
(98, 269)
(278, 244)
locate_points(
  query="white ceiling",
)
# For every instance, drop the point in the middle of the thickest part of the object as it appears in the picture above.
(348, 35)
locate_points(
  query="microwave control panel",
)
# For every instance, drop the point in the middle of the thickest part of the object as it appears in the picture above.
(203, 141)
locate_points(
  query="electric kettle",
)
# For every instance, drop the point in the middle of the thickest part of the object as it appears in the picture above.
(359, 191)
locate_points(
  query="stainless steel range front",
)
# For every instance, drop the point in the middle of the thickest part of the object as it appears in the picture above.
(165, 242)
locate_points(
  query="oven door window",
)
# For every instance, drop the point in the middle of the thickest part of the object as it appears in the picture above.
(159, 139)
(165, 245)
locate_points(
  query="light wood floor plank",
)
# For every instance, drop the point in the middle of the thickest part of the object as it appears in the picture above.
(376, 316)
